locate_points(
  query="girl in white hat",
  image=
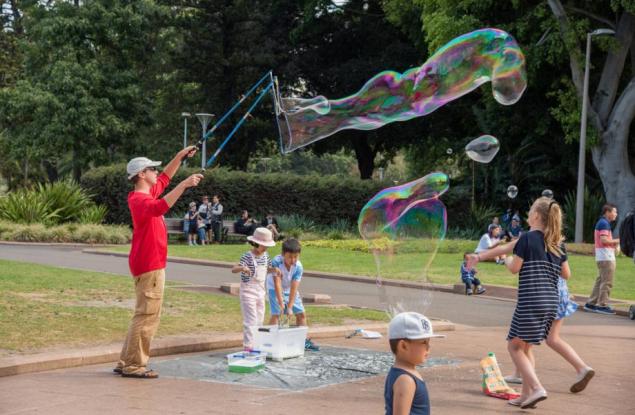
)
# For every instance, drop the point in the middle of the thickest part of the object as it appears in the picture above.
(254, 266)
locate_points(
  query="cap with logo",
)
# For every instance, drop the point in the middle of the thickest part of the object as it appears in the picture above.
(412, 326)
(138, 164)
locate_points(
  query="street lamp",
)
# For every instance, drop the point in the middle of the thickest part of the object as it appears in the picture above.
(185, 116)
(579, 201)
(204, 119)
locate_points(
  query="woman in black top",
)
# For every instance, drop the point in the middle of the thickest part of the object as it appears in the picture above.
(540, 259)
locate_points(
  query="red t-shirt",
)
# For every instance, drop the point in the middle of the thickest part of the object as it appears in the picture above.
(149, 248)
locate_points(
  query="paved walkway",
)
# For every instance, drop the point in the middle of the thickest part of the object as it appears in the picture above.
(606, 342)
(454, 390)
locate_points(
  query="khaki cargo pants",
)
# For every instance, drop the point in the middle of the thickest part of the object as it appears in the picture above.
(136, 348)
(603, 283)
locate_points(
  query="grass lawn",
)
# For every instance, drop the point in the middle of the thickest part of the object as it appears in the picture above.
(444, 268)
(45, 307)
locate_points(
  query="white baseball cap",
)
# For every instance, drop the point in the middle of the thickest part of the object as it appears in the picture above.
(138, 164)
(412, 326)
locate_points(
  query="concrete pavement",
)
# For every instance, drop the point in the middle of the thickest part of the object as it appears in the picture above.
(454, 390)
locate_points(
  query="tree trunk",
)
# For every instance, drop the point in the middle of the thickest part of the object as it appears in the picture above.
(51, 170)
(611, 156)
(365, 157)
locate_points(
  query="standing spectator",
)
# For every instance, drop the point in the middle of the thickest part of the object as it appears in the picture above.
(148, 254)
(204, 213)
(271, 223)
(192, 218)
(605, 259)
(245, 225)
(216, 219)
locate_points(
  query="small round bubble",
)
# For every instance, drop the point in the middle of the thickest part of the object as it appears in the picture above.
(449, 151)
(483, 149)
(512, 192)
(547, 193)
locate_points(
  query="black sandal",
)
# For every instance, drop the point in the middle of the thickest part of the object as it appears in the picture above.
(149, 374)
(117, 371)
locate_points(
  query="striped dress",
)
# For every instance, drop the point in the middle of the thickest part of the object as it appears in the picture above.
(537, 289)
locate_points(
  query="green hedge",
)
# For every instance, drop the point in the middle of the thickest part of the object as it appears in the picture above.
(323, 199)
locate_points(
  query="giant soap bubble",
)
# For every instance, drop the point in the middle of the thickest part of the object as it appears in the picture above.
(403, 226)
(482, 149)
(459, 67)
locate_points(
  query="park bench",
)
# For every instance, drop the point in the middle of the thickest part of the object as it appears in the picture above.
(175, 226)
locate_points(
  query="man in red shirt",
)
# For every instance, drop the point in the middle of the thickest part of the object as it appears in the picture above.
(148, 254)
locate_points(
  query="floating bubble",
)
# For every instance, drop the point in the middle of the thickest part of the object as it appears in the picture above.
(456, 69)
(547, 193)
(512, 192)
(449, 151)
(482, 149)
(404, 225)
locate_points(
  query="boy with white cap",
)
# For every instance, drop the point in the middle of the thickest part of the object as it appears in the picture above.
(254, 266)
(148, 254)
(405, 392)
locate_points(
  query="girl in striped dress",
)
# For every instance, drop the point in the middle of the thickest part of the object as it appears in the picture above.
(540, 259)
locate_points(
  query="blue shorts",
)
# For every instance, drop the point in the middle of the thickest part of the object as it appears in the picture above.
(298, 307)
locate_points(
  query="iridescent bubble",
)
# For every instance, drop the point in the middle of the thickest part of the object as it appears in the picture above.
(512, 191)
(456, 69)
(547, 193)
(482, 149)
(449, 151)
(403, 225)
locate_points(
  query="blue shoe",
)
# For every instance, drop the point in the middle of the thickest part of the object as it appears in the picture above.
(604, 310)
(590, 307)
(309, 345)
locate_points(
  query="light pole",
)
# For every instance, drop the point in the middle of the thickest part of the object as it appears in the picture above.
(185, 116)
(204, 119)
(579, 200)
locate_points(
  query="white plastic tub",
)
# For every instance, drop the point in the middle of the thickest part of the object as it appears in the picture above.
(281, 343)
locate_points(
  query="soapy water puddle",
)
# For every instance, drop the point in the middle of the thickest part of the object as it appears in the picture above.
(329, 366)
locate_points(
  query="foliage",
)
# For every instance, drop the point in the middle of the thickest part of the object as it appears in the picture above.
(305, 162)
(592, 207)
(321, 199)
(95, 214)
(51, 203)
(25, 206)
(66, 233)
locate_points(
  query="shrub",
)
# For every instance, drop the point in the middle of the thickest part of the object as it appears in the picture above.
(95, 234)
(67, 198)
(27, 206)
(592, 206)
(94, 214)
(322, 199)
(51, 203)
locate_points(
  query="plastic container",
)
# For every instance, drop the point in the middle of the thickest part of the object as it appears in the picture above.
(246, 362)
(281, 342)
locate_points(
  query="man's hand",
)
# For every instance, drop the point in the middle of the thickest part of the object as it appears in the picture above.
(187, 152)
(192, 181)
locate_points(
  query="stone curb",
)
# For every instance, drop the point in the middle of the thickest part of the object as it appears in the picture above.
(62, 244)
(40, 362)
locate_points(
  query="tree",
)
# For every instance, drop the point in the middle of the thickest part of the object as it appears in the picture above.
(335, 51)
(547, 117)
(612, 108)
(82, 88)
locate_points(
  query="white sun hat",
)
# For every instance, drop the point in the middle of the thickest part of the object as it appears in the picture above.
(262, 236)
